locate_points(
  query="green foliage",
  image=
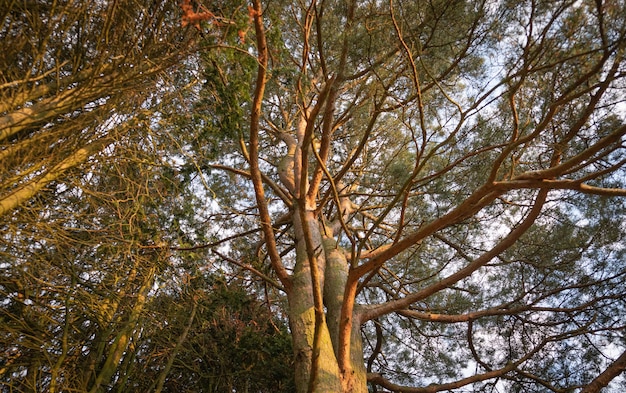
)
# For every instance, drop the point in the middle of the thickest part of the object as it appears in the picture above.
(234, 343)
(143, 267)
(228, 78)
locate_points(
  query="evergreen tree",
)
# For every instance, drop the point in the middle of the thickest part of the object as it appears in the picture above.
(430, 193)
(438, 185)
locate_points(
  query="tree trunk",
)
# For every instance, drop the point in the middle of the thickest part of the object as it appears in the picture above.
(334, 284)
(333, 268)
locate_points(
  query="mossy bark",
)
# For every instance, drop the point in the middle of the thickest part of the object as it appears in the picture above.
(302, 319)
(334, 270)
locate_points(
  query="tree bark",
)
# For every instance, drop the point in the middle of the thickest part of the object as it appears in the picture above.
(324, 377)
(333, 267)
(27, 191)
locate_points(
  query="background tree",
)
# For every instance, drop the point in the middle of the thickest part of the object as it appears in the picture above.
(76, 259)
(69, 79)
(225, 340)
(91, 188)
(438, 188)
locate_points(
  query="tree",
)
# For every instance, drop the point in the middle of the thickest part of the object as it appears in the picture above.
(430, 192)
(92, 185)
(80, 85)
(211, 335)
(70, 82)
(438, 186)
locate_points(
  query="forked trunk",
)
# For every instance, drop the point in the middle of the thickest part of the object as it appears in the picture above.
(333, 269)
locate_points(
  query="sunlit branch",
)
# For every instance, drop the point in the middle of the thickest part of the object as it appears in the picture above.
(27, 191)
(466, 271)
(560, 185)
(509, 367)
(255, 172)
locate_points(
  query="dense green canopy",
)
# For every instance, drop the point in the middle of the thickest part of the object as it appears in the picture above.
(407, 196)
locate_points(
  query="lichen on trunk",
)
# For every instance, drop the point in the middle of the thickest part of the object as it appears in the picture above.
(333, 267)
(302, 317)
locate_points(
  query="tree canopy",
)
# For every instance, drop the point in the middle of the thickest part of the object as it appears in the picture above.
(429, 194)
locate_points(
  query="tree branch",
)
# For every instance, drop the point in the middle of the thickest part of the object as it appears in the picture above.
(255, 172)
(616, 368)
(27, 191)
(504, 244)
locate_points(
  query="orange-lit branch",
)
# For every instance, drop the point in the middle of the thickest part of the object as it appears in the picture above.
(191, 17)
